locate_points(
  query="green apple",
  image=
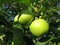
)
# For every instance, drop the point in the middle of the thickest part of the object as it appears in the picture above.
(16, 18)
(38, 27)
(26, 18)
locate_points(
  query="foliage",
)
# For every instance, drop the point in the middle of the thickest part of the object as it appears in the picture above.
(13, 33)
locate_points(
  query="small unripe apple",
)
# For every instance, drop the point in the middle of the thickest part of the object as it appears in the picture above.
(38, 27)
(26, 18)
(16, 18)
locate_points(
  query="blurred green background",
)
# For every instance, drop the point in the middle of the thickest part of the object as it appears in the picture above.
(16, 34)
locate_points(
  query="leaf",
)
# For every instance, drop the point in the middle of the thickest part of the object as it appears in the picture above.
(54, 43)
(8, 1)
(18, 37)
(0, 7)
(46, 42)
(25, 2)
(17, 26)
(49, 43)
(26, 12)
(52, 9)
(0, 1)
(40, 43)
(58, 28)
(59, 43)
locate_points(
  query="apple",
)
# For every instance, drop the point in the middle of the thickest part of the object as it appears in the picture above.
(16, 18)
(26, 18)
(38, 27)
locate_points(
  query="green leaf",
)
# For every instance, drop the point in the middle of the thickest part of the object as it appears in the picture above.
(0, 1)
(58, 28)
(58, 20)
(17, 25)
(8, 1)
(59, 43)
(46, 42)
(25, 2)
(52, 9)
(54, 43)
(40, 43)
(18, 37)
(0, 7)
(27, 11)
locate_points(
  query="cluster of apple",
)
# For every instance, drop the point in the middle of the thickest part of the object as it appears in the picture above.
(37, 27)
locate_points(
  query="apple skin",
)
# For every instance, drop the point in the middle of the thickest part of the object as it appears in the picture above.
(38, 27)
(26, 19)
(16, 18)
